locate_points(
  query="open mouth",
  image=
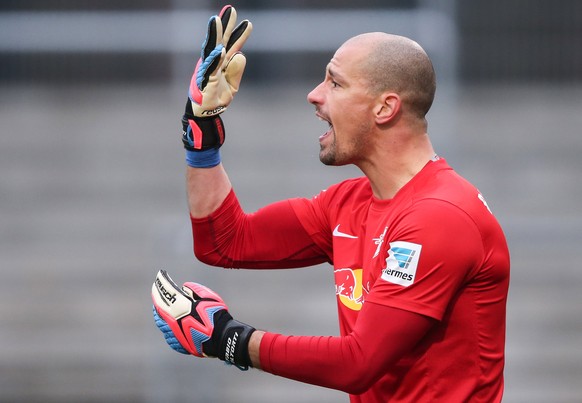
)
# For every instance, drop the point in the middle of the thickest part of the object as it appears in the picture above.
(329, 129)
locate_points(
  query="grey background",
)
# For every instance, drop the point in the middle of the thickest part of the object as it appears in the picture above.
(92, 199)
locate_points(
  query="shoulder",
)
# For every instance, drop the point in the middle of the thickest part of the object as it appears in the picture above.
(353, 188)
(445, 189)
(348, 195)
(360, 182)
(340, 193)
(453, 207)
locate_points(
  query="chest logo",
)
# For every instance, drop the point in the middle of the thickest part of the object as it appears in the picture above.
(349, 289)
(337, 232)
(379, 241)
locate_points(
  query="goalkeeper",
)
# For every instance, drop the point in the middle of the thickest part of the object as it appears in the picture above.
(421, 265)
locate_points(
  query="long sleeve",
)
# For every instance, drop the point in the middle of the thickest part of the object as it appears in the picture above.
(272, 237)
(351, 363)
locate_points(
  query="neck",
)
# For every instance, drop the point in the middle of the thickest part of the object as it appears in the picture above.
(394, 165)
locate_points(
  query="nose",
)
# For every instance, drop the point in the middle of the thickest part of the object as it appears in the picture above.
(315, 96)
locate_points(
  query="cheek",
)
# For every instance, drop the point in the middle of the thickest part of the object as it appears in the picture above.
(355, 121)
(351, 111)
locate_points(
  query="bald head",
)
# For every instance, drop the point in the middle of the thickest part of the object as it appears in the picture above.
(396, 63)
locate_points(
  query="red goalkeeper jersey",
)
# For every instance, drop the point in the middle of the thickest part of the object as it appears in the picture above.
(435, 249)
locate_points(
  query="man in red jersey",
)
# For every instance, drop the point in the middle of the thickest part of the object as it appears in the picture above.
(421, 264)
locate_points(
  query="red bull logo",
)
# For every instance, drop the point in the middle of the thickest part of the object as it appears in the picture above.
(348, 288)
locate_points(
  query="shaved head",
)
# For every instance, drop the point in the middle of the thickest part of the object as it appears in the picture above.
(396, 63)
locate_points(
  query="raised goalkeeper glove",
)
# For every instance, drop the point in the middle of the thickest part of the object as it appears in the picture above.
(195, 320)
(215, 81)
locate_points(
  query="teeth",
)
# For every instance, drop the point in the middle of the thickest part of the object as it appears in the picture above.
(321, 118)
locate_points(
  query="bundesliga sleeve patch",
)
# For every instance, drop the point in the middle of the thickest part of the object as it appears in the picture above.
(401, 263)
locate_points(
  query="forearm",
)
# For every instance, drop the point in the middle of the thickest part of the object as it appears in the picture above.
(382, 335)
(255, 348)
(206, 189)
(317, 360)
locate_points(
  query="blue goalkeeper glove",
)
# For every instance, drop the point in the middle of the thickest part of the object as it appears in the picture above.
(215, 81)
(195, 320)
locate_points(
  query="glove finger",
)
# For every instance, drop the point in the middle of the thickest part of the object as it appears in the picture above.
(209, 67)
(169, 298)
(213, 36)
(228, 20)
(200, 292)
(169, 335)
(238, 38)
(234, 71)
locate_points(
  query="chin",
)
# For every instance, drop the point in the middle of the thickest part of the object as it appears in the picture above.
(326, 160)
(331, 160)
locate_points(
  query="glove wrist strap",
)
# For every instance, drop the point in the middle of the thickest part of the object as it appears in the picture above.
(201, 134)
(234, 344)
(230, 341)
(203, 159)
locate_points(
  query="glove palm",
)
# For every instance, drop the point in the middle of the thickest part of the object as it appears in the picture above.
(195, 320)
(219, 70)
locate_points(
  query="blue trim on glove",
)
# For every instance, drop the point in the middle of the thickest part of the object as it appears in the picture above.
(206, 62)
(203, 159)
(168, 334)
(199, 338)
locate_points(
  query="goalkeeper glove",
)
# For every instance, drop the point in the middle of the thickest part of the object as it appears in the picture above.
(215, 81)
(195, 320)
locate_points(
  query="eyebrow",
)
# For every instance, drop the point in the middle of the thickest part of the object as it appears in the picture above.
(332, 74)
(329, 71)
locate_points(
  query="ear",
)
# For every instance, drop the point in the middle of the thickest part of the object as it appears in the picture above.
(387, 108)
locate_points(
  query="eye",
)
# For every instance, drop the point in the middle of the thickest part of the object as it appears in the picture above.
(334, 84)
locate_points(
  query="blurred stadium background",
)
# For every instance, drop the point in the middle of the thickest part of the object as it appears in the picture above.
(92, 200)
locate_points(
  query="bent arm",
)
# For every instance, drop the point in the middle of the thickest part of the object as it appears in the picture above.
(273, 237)
(381, 337)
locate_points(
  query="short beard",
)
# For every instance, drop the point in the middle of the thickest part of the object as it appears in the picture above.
(328, 158)
(334, 158)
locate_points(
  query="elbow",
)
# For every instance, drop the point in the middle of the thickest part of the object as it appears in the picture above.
(205, 246)
(210, 258)
(201, 254)
(359, 381)
(206, 249)
(365, 368)
(204, 258)
(357, 387)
